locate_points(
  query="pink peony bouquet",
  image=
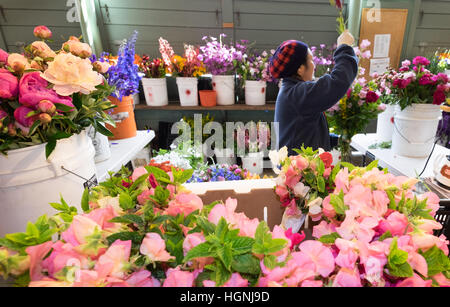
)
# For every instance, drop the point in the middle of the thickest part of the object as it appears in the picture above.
(414, 83)
(145, 230)
(48, 95)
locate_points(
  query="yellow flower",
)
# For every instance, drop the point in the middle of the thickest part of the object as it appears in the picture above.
(343, 106)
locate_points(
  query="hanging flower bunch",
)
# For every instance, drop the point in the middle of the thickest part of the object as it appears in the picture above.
(155, 68)
(219, 58)
(124, 75)
(357, 108)
(416, 84)
(48, 95)
(187, 66)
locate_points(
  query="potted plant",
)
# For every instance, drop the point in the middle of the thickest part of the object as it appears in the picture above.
(154, 81)
(47, 100)
(124, 76)
(251, 145)
(418, 93)
(219, 60)
(253, 69)
(186, 69)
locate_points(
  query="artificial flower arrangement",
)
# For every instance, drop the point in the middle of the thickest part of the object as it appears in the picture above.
(218, 57)
(49, 95)
(354, 111)
(323, 59)
(148, 231)
(416, 84)
(188, 65)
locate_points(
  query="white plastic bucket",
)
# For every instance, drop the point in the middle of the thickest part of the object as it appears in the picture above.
(385, 124)
(255, 93)
(28, 182)
(136, 99)
(187, 90)
(224, 86)
(225, 156)
(101, 145)
(253, 162)
(415, 129)
(155, 91)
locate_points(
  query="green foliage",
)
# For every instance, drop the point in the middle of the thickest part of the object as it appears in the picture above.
(397, 261)
(329, 239)
(437, 261)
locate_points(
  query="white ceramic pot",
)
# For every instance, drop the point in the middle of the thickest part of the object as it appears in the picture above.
(385, 124)
(155, 91)
(29, 182)
(101, 145)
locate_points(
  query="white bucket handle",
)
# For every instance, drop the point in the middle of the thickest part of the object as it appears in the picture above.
(406, 139)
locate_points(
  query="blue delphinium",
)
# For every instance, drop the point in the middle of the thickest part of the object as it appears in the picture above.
(124, 75)
(219, 173)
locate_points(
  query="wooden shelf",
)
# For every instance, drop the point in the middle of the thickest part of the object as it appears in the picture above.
(269, 106)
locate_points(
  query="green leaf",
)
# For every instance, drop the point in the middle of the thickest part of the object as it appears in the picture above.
(135, 237)
(321, 168)
(321, 184)
(125, 201)
(385, 236)
(128, 219)
(161, 194)
(246, 263)
(242, 245)
(222, 275)
(261, 232)
(337, 201)
(206, 226)
(32, 230)
(392, 203)
(85, 200)
(138, 182)
(437, 261)
(184, 176)
(270, 262)
(221, 229)
(157, 172)
(102, 130)
(201, 250)
(372, 165)
(397, 261)
(34, 127)
(330, 238)
(402, 270)
(276, 245)
(62, 107)
(225, 255)
(51, 144)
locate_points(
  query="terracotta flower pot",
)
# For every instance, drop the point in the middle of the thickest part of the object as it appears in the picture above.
(123, 115)
(208, 98)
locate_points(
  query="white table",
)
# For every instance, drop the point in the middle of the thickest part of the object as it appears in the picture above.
(122, 152)
(397, 165)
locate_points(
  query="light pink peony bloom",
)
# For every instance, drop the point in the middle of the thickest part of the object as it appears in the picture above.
(42, 50)
(37, 254)
(347, 278)
(20, 114)
(178, 278)
(320, 255)
(42, 32)
(77, 48)
(185, 203)
(114, 261)
(17, 62)
(71, 74)
(415, 281)
(154, 247)
(9, 85)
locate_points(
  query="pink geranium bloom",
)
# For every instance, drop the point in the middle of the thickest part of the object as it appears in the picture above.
(415, 281)
(113, 262)
(178, 278)
(347, 278)
(154, 247)
(320, 255)
(184, 203)
(37, 254)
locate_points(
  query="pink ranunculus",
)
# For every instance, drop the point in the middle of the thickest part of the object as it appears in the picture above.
(154, 247)
(37, 254)
(42, 32)
(415, 281)
(320, 255)
(42, 50)
(347, 278)
(114, 261)
(20, 114)
(9, 85)
(420, 60)
(71, 74)
(185, 203)
(17, 62)
(3, 56)
(178, 278)
(438, 97)
(33, 89)
(145, 195)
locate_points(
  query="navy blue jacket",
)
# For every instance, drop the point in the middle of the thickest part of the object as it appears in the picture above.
(300, 105)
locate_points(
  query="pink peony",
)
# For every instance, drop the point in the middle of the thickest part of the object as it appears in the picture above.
(184, 203)
(42, 50)
(77, 48)
(20, 114)
(42, 32)
(9, 86)
(3, 56)
(420, 60)
(320, 255)
(438, 97)
(178, 278)
(17, 62)
(154, 247)
(371, 96)
(114, 261)
(71, 74)
(33, 89)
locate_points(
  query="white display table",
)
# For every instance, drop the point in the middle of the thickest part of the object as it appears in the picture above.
(122, 152)
(397, 165)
